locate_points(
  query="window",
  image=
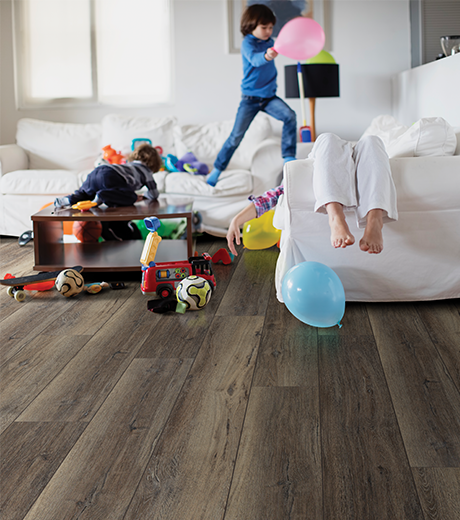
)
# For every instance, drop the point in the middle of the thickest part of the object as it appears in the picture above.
(70, 52)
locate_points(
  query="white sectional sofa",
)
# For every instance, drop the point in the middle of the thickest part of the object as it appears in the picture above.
(51, 159)
(421, 256)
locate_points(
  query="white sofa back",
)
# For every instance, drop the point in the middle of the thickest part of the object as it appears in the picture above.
(59, 146)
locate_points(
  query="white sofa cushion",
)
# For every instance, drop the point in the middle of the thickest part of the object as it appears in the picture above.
(428, 137)
(231, 183)
(119, 131)
(206, 140)
(65, 146)
(32, 182)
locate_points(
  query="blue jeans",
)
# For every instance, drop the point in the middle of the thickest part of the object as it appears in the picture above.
(247, 111)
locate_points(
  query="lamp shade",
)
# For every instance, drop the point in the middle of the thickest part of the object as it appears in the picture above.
(319, 80)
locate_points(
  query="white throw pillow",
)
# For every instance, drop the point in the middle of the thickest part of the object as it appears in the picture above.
(206, 140)
(119, 131)
(386, 127)
(431, 136)
(65, 146)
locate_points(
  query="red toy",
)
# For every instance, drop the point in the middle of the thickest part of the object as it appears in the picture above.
(222, 255)
(87, 230)
(164, 277)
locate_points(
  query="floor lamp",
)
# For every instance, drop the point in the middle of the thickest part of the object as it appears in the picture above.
(319, 80)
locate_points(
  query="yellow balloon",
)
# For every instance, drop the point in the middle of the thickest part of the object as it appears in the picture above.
(259, 233)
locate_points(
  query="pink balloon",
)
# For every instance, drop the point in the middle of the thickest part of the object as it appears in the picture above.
(301, 38)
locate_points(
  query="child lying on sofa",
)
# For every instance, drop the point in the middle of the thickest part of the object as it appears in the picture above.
(116, 184)
(345, 177)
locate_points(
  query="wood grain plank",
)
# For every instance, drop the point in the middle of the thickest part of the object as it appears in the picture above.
(442, 321)
(82, 386)
(426, 401)
(28, 372)
(439, 492)
(288, 350)
(278, 470)
(355, 322)
(99, 476)
(31, 454)
(30, 319)
(365, 469)
(189, 473)
(91, 311)
(249, 289)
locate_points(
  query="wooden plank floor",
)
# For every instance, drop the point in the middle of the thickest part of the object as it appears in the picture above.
(238, 411)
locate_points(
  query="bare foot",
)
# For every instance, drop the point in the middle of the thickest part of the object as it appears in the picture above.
(372, 240)
(340, 232)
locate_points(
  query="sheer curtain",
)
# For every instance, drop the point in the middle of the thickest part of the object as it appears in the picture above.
(69, 52)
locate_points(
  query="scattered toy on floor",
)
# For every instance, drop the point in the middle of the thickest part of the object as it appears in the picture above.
(195, 292)
(70, 282)
(222, 255)
(162, 306)
(25, 238)
(41, 281)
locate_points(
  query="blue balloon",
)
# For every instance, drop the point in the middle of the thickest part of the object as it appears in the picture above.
(314, 294)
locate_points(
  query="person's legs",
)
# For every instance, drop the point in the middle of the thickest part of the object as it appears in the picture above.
(278, 109)
(334, 185)
(376, 192)
(247, 111)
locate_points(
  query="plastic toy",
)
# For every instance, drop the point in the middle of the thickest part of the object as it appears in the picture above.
(162, 306)
(300, 38)
(151, 243)
(189, 163)
(38, 282)
(144, 140)
(259, 233)
(314, 294)
(222, 255)
(195, 292)
(96, 287)
(70, 282)
(84, 205)
(112, 156)
(164, 277)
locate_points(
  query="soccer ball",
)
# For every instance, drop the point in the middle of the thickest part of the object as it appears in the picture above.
(69, 282)
(195, 292)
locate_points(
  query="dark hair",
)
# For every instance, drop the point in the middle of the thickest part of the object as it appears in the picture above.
(148, 155)
(254, 15)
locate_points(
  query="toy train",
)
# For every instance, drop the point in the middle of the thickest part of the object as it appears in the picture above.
(164, 277)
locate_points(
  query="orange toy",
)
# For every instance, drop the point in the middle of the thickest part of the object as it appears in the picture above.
(112, 156)
(87, 231)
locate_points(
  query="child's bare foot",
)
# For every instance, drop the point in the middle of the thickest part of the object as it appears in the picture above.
(340, 232)
(372, 240)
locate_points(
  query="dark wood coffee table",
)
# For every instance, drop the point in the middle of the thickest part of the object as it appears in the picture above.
(51, 253)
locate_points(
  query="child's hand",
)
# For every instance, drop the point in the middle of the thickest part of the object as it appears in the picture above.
(140, 197)
(233, 234)
(271, 54)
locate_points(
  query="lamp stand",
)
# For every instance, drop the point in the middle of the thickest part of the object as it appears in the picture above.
(312, 118)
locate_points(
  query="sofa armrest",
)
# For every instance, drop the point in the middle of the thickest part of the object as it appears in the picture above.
(12, 158)
(267, 166)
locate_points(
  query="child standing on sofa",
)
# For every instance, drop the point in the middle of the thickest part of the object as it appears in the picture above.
(258, 88)
(344, 177)
(116, 184)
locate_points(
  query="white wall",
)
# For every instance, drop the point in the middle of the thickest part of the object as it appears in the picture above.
(370, 41)
(430, 90)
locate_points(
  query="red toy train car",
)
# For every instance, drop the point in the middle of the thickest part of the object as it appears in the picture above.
(164, 277)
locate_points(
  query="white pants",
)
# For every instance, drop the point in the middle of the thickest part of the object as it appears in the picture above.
(358, 177)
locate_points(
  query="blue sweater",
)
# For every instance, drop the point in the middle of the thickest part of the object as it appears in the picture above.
(259, 75)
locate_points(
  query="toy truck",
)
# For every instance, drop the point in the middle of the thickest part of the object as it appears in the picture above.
(164, 277)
